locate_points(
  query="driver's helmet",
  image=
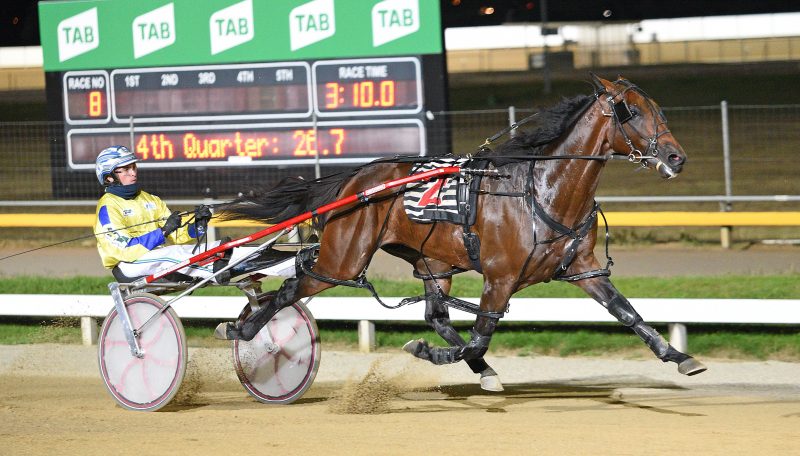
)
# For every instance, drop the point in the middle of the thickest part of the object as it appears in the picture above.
(110, 159)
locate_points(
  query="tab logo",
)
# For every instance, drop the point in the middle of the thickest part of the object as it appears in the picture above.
(393, 19)
(311, 22)
(78, 34)
(231, 26)
(154, 30)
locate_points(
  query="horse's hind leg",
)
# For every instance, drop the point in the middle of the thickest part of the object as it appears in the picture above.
(437, 315)
(493, 302)
(604, 292)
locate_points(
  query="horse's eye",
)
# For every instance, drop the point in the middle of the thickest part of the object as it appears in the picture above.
(634, 111)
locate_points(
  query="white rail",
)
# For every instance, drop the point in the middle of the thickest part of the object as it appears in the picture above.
(675, 312)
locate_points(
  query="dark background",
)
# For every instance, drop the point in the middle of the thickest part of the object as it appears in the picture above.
(676, 85)
(19, 20)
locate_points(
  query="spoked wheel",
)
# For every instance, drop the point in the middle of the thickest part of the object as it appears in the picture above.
(280, 363)
(150, 382)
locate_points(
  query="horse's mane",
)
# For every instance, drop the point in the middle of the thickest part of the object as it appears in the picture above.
(549, 124)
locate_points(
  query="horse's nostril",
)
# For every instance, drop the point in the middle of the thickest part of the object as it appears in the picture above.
(675, 159)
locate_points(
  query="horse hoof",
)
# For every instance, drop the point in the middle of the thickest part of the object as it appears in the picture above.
(691, 366)
(223, 331)
(414, 346)
(491, 383)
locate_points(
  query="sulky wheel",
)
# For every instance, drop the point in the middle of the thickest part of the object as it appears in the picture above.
(150, 382)
(280, 363)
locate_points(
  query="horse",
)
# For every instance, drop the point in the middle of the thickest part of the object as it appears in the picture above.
(535, 221)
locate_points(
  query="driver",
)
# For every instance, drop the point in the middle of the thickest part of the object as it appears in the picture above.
(131, 231)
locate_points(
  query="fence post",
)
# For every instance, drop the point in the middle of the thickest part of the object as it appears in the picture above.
(366, 336)
(678, 337)
(725, 231)
(89, 330)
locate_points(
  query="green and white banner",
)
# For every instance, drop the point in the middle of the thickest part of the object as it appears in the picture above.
(91, 34)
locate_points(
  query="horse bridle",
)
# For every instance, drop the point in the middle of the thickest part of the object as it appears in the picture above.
(621, 114)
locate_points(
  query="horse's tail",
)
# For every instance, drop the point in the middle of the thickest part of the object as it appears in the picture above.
(289, 198)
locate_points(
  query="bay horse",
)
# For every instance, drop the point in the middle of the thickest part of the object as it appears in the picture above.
(536, 220)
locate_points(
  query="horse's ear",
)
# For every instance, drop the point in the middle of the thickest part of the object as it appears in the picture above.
(597, 82)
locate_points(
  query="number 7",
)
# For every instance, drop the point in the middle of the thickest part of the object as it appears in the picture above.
(431, 195)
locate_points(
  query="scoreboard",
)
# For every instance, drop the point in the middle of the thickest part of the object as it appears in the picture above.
(259, 113)
(334, 82)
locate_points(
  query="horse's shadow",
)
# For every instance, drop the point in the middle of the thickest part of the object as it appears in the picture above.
(599, 395)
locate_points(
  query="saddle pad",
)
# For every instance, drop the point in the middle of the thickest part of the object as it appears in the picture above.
(434, 200)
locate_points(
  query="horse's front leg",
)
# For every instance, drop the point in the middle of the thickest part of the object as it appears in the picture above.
(437, 315)
(604, 292)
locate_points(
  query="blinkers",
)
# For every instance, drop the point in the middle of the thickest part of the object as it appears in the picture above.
(621, 110)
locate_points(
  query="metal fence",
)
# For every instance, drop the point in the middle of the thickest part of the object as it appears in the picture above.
(763, 160)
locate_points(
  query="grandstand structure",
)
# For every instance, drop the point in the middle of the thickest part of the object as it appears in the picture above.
(564, 46)
(573, 55)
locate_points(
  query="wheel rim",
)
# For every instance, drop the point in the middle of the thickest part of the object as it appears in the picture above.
(281, 361)
(146, 383)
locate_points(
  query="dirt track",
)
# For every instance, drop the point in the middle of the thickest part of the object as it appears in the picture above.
(53, 401)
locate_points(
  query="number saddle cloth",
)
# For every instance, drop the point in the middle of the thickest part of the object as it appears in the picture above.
(448, 199)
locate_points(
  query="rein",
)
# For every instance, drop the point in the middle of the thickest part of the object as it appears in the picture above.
(507, 130)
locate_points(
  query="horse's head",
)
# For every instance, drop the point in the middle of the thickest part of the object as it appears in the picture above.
(640, 128)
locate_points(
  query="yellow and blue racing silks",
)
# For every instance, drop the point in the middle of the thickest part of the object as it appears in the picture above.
(132, 227)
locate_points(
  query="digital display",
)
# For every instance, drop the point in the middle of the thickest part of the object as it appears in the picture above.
(223, 91)
(86, 95)
(367, 87)
(257, 113)
(387, 94)
(221, 145)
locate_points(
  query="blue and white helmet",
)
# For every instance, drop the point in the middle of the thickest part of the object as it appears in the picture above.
(110, 159)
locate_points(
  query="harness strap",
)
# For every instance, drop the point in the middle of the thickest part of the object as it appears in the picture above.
(359, 282)
(558, 227)
(577, 237)
(509, 194)
(584, 275)
(455, 303)
(573, 247)
(509, 128)
(471, 184)
(440, 275)
(472, 243)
